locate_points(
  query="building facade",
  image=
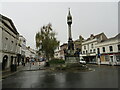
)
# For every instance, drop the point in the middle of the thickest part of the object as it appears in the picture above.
(57, 53)
(9, 47)
(63, 48)
(22, 43)
(89, 51)
(78, 44)
(30, 53)
(110, 50)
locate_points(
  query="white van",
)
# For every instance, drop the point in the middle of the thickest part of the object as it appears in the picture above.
(82, 61)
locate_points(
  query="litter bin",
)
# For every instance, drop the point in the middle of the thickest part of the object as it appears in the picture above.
(13, 67)
(47, 64)
(24, 64)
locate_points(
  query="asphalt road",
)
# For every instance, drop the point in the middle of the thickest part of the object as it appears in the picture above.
(100, 77)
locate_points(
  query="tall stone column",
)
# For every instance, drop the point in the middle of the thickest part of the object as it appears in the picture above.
(70, 41)
(70, 57)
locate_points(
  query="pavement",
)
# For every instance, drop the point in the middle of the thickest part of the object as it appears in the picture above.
(7, 72)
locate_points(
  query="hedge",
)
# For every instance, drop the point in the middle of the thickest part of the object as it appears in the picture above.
(57, 61)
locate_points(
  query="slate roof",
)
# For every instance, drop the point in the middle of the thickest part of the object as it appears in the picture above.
(117, 37)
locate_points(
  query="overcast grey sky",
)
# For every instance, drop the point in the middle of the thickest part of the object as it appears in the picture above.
(88, 18)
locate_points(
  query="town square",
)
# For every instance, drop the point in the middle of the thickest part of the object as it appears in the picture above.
(59, 45)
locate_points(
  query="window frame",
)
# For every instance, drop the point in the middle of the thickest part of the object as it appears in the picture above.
(103, 49)
(111, 48)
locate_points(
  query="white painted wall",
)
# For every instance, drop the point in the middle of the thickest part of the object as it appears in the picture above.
(88, 46)
(57, 54)
(28, 52)
(6, 45)
(23, 45)
(112, 43)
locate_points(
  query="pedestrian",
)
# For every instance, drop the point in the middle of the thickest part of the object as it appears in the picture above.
(30, 63)
(33, 61)
(40, 61)
(99, 61)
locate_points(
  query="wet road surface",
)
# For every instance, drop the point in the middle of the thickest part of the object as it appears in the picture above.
(101, 77)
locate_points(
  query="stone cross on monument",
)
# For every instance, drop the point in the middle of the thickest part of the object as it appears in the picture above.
(70, 41)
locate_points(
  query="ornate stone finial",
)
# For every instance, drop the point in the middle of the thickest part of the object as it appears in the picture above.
(69, 17)
(69, 11)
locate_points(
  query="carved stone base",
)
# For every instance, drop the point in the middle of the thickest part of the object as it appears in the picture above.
(71, 59)
(71, 52)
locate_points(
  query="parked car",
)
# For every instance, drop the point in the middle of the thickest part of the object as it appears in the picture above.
(82, 61)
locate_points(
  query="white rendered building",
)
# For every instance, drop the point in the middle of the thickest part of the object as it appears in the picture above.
(9, 47)
(110, 50)
(89, 51)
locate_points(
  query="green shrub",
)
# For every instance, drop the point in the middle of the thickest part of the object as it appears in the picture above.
(57, 61)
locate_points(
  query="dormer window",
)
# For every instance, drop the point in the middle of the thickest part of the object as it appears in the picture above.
(91, 36)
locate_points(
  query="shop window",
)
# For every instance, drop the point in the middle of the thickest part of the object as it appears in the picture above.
(103, 49)
(111, 48)
(118, 58)
(106, 57)
(111, 58)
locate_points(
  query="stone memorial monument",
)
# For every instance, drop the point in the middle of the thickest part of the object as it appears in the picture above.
(70, 55)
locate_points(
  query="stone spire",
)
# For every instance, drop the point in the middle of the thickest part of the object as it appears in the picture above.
(69, 22)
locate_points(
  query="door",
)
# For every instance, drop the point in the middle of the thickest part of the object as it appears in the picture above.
(4, 62)
(111, 60)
